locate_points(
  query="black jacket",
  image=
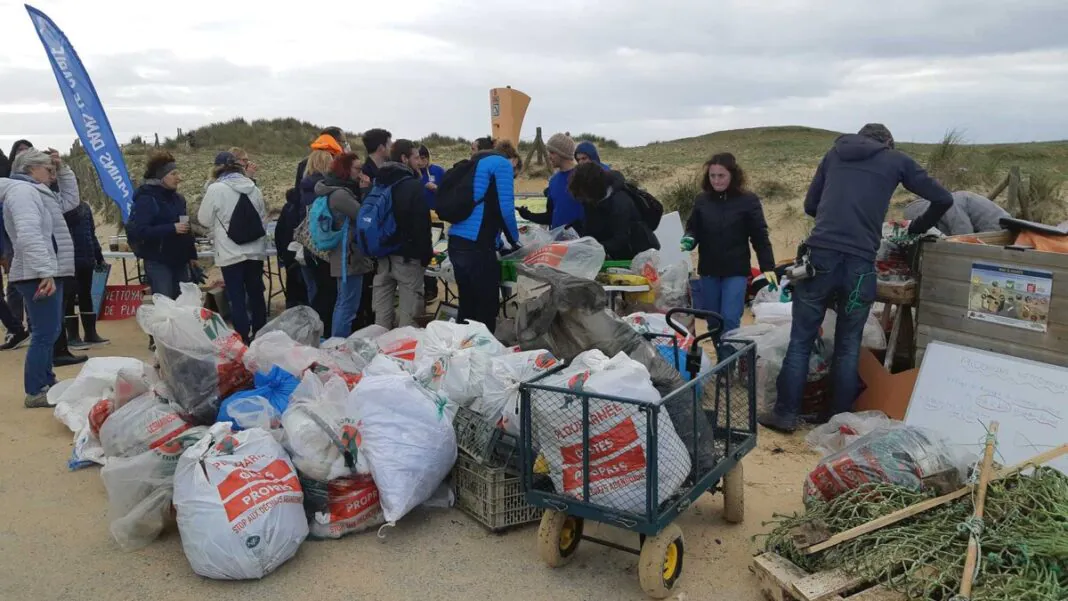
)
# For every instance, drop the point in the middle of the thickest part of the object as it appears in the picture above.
(851, 191)
(87, 252)
(409, 209)
(617, 225)
(724, 224)
(5, 165)
(301, 166)
(292, 215)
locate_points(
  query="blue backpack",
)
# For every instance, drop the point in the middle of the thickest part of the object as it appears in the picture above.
(321, 226)
(376, 226)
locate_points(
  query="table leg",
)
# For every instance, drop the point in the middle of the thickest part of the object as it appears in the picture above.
(891, 343)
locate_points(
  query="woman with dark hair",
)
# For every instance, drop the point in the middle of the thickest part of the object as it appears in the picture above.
(158, 228)
(343, 187)
(611, 217)
(230, 209)
(726, 219)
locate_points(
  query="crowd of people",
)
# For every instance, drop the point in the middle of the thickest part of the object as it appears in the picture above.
(354, 239)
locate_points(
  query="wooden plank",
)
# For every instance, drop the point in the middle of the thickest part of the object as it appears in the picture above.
(995, 252)
(927, 334)
(826, 585)
(953, 317)
(957, 293)
(878, 593)
(918, 508)
(980, 504)
(777, 576)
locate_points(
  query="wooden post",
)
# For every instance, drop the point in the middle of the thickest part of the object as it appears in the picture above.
(1025, 199)
(1013, 201)
(980, 503)
(999, 189)
(537, 150)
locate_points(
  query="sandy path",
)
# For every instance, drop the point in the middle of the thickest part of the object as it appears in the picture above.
(55, 544)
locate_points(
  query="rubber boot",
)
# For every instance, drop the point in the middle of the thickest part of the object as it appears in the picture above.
(61, 353)
(74, 340)
(92, 338)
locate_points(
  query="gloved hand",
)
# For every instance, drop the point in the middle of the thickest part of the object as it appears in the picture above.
(687, 243)
(773, 280)
(525, 213)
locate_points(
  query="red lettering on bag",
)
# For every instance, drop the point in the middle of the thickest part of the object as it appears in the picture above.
(551, 255)
(260, 494)
(603, 445)
(626, 463)
(351, 498)
(240, 478)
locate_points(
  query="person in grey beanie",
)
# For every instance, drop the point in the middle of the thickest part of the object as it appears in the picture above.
(561, 208)
(848, 197)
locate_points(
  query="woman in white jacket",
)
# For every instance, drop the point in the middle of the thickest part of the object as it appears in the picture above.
(43, 255)
(241, 263)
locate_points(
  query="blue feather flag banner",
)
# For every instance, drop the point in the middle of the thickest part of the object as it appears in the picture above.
(86, 112)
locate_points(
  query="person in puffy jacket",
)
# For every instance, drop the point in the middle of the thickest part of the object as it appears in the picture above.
(158, 227)
(849, 196)
(241, 263)
(87, 256)
(343, 187)
(474, 242)
(611, 217)
(42, 256)
(726, 219)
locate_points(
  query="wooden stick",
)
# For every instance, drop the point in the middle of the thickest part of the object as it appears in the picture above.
(980, 502)
(918, 508)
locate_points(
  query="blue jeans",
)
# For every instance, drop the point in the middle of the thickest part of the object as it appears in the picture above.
(308, 273)
(725, 296)
(847, 284)
(349, 295)
(46, 313)
(165, 279)
(244, 290)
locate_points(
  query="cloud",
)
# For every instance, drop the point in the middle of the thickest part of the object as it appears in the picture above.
(631, 70)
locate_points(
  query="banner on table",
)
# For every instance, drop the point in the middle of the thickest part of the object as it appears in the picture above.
(86, 112)
(121, 302)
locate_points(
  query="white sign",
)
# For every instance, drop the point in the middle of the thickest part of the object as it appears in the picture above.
(669, 233)
(961, 390)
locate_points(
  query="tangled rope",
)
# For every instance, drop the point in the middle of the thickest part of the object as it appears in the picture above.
(1024, 540)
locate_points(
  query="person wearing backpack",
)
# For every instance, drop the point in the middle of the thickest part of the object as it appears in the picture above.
(612, 213)
(561, 208)
(343, 187)
(726, 219)
(320, 287)
(234, 211)
(478, 197)
(156, 231)
(394, 228)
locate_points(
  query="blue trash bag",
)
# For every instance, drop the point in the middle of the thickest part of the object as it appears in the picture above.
(276, 386)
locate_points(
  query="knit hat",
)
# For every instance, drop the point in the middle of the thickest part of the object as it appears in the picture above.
(561, 144)
(878, 132)
(327, 143)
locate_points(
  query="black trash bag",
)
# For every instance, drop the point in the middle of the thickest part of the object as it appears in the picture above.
(572, 317)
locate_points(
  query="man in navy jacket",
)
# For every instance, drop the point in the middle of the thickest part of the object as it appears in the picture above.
(848, 197)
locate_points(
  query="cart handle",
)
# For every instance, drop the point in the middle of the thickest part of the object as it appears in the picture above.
(714, 318)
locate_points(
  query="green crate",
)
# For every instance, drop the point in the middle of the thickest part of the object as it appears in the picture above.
(491, 496)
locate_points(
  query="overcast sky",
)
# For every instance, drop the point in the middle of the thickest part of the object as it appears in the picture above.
(621, 68)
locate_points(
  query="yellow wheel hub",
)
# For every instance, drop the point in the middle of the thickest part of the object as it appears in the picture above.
(671, 561)
(567, 534)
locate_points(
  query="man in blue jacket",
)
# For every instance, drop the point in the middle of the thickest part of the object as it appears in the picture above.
(849, 197)
(474, 242)
(561, 208)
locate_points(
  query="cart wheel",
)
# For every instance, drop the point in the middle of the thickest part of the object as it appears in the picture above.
(558, 537)
(660, 562)
(734, 495)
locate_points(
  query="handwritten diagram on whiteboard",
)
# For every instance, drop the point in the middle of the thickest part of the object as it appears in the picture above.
(960, 390)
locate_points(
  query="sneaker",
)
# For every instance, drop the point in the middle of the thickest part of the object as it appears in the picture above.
(37, 401)
(78, 344)
(774, 421)
(16, 340)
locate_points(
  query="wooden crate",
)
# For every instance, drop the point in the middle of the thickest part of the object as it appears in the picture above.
(945, 286)
(781, 580)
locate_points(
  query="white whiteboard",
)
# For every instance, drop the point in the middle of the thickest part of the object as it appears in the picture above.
(960, 390)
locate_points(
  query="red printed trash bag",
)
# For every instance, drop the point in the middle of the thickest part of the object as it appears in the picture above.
(240, 505)
(342, 506)
(200, 357)
(618, 435)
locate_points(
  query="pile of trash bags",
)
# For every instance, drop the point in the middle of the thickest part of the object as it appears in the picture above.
(250, 450)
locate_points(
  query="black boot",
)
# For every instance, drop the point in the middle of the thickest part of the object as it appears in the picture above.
(61, 355)
(92, 338)
(74, 340)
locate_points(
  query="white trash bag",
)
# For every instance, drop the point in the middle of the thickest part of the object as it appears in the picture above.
(73, 399)
(144, 423)
(406, 435)
(342, 506)
(845, 428)
(140, 489)
(401, 343)
(278, 349)
(300, 323)
(454, 358)
(499, 403)
(240, 505)
(319, 430)
(618, 439)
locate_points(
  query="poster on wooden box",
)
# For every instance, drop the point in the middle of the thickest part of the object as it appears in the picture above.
(1010, 295)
